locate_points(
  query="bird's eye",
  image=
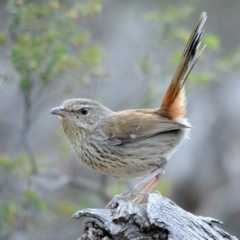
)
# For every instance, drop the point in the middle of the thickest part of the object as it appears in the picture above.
(84, 111)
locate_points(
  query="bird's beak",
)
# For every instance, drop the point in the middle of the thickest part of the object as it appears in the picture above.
(60, 111)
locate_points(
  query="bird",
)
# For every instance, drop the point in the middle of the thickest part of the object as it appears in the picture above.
(136, 142)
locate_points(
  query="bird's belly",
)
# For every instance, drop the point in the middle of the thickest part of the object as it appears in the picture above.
(132, 159)
(123, 167)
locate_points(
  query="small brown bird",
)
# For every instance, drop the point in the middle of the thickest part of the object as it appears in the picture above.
(132, 143)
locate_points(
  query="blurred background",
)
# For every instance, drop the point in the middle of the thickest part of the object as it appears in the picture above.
(123, 54)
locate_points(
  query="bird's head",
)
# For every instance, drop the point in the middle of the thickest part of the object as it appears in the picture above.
(82, 113)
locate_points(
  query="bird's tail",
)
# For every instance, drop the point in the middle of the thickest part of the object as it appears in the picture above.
(173, 104)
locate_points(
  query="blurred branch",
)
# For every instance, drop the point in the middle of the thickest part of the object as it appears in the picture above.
(92, 186)
(86, 184)
(159, 219)
(46, 43)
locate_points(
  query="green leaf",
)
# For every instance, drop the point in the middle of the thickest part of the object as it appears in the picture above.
(17, 58)
(91, 7)
(144, 65)
(2, 39)
(24, 84)
(92, 55)
(204, 77)
(211, 41)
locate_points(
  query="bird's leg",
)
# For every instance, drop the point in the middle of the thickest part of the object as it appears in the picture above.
(158, 173)
(149, 187)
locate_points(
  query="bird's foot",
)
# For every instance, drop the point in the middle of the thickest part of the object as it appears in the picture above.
(157, 175)
(127, 194)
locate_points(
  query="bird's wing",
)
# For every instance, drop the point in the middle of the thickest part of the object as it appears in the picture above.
(126, 126)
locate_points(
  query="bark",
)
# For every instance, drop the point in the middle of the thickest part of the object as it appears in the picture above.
(159, 219)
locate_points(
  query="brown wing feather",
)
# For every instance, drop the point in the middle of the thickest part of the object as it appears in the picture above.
(124, 127)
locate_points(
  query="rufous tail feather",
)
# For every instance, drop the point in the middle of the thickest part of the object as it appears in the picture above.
(173, 104)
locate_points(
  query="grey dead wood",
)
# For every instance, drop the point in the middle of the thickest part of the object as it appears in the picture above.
(159, 219)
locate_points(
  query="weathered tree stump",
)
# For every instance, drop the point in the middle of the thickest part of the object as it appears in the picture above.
(160, 219)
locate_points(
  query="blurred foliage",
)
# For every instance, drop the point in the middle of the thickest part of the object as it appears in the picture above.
(32, 200)
(164, 187)
(2, 39)
(45, 43)
(115, 188)
(25, 204)
(169, 25)
(45, 40)
(8, 213)
(229, 63)
(14, 165)
(66, 208)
